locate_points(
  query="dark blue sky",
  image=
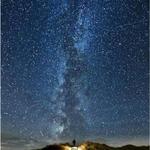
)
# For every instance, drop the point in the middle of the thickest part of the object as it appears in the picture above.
(75, 69)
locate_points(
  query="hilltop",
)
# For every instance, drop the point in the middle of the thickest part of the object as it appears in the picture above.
(93, 146)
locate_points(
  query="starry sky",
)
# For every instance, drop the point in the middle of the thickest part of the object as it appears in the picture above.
(74, 69)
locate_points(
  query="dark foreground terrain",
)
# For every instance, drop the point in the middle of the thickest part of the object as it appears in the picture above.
(93, 146)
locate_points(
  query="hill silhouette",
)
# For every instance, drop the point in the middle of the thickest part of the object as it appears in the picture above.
(93, 146)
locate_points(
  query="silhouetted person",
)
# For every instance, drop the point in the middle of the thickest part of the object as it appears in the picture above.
(74, 142)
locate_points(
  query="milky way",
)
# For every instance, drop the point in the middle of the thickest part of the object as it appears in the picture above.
(75, 69)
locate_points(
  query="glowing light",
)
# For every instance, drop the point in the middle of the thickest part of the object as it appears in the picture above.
(74, 148)
(67, 148)
(82, 147)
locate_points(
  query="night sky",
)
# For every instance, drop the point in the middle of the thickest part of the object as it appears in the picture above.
(74, 69)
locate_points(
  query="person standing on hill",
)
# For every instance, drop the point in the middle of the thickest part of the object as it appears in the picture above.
(74, 142)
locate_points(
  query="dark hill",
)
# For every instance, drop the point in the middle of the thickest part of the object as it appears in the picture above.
(94, 146)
